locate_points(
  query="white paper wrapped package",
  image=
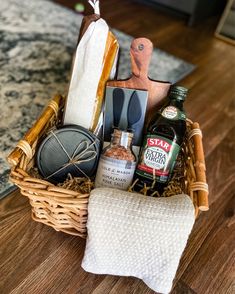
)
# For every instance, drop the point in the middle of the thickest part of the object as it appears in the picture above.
(94, 63)
(134, 235)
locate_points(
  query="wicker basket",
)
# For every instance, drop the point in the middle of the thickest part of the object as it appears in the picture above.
(65, 209)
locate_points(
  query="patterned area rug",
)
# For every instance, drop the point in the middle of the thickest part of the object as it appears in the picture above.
(37, 40)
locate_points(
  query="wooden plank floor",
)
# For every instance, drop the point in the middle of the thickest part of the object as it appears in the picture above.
(37, 259)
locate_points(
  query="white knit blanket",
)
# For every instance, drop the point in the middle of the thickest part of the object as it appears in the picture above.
(134, 235)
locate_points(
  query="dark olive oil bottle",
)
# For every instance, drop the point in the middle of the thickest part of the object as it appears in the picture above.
(161, 146)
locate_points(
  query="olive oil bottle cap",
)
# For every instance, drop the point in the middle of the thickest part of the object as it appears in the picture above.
(178, 93)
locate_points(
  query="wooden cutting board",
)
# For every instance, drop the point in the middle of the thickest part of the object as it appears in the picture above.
(140, 53)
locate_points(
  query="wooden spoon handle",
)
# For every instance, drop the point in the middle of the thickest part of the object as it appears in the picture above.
(141, 52)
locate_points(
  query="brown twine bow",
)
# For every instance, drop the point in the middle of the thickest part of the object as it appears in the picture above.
(76, 159)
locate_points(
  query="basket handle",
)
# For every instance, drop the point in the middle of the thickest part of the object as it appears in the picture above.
(26, 145)
(200, 186)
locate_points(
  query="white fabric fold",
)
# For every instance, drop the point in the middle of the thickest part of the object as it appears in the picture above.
(87, 70)
(133, 235)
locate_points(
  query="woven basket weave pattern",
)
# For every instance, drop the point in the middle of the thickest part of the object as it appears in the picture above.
(66, 210)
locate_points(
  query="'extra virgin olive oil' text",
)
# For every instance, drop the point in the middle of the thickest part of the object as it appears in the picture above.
(162, 143)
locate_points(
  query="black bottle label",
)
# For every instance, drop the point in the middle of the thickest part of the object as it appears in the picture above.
(157, 158)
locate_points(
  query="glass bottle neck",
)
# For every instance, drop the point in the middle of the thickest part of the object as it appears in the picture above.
(122, 139)
(177, 103)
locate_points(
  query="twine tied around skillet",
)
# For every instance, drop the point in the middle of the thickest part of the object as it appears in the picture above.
(85, 155)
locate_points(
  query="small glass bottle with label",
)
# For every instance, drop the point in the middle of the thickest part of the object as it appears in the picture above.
(117, 162)
(162, 143)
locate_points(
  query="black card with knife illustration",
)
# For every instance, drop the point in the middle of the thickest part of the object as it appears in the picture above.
(125, 109)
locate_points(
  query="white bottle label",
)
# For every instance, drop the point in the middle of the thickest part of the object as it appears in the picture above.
(170, 112)
(114, 173)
